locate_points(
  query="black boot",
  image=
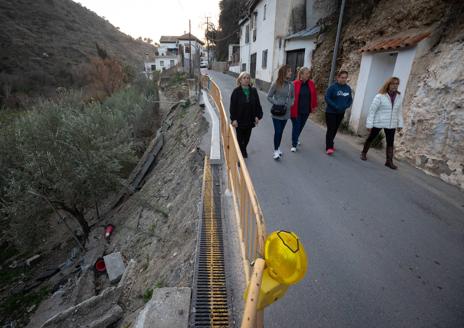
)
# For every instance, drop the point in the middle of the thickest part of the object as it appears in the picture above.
(366, 147)
(389, 161)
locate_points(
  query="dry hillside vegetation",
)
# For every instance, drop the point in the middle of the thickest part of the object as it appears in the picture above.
(44, 41)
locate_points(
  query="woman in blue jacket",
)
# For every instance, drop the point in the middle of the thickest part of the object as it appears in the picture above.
(338, 98)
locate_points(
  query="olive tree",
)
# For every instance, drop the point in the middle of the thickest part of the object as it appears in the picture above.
(65, 154)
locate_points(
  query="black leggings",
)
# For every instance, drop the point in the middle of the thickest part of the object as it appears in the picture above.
(389, 135)
(333, 121)
(243, 137)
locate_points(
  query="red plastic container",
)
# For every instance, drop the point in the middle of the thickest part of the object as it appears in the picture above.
(109, 230)
(100, 265)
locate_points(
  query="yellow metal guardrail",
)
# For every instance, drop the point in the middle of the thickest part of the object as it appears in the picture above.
(247, 210)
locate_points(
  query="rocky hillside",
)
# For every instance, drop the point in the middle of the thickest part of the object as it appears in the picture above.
(434, 120)
(42, 42)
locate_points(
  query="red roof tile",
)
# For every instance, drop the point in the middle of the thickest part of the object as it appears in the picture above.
(395, 42)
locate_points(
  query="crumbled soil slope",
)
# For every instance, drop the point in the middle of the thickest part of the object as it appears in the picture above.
(158, 225)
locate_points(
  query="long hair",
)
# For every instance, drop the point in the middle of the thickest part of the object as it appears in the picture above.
(301, 71)
(282, 75)
(241, 76)
(384, 89)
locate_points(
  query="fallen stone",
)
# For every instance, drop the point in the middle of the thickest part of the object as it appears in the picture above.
(87, 312)
(168, 307)
(126, 283)
(114, 266)
(110, 317)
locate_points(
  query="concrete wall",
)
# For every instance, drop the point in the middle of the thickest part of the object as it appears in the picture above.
(166, 62)
(281, 30)
(235, 69)
(244, 49)
(403, 67)
(219, 66)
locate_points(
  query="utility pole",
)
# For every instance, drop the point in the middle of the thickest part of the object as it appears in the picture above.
(190, 48)
(207, 39)
(337, 42)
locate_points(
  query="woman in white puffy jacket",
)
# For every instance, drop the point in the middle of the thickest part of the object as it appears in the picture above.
(385, 113)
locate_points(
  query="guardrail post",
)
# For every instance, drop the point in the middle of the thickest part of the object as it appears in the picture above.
(249, 319)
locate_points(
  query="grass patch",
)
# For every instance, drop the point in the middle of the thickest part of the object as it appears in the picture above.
(147, 294)
(346, 128)
(7, 252)
(160, 284)
(8, 275)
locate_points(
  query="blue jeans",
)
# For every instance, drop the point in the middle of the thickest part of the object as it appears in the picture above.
(279, 126)
(298, 124)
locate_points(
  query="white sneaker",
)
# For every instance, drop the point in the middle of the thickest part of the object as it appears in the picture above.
(276, 155)
(280, 152)
(299, 143)
(293, 149)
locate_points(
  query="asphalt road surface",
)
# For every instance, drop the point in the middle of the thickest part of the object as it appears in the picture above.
(385, 248)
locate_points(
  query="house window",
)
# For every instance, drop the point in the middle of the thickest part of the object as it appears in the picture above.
(161, 62)
(187, 49)
(153, 67)
(171, 62)
(264, 14)
(264, 59)
(247, 34)
(255, 19)
(244, 67)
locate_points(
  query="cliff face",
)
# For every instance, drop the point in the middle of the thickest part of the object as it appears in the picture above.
(433, 137)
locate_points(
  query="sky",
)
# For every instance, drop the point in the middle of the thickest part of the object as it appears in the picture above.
(153, 18)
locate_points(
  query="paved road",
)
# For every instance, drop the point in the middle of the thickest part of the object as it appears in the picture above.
(386, 248)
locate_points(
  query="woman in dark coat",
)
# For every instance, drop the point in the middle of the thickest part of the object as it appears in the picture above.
(245, 110)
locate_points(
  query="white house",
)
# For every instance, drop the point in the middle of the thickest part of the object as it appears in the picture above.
(270, 36)
(173, 50)
(168, 45)
(381, 59)
(197, 51)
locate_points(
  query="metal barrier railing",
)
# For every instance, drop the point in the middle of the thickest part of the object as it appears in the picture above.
(247, 210)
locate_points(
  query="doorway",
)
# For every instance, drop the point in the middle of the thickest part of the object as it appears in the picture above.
(383, 65)
(253, 65)
(295, 59)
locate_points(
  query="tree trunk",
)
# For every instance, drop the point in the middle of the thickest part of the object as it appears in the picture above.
(79, 217)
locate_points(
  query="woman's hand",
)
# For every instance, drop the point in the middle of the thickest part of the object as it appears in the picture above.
(369, 130)
(256, 121)
(235, 124)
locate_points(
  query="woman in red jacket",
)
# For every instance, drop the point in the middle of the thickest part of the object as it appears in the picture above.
(304, 104)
